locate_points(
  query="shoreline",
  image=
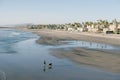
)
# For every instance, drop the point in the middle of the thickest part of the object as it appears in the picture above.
(108, 60)
(111, 39)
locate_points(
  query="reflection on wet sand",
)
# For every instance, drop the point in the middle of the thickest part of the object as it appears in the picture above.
(44, 68)
(53, 41)
(84, 44)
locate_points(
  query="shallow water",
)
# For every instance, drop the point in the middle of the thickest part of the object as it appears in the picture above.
(21, 58)
(90, 45)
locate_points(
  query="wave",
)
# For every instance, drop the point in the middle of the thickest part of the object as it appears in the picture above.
(13, 34)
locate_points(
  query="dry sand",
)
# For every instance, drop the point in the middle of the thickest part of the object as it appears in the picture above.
(103, 59)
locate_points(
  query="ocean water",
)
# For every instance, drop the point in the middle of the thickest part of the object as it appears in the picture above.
(21, 58)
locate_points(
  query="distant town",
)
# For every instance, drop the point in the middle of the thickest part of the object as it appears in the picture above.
(99, 26)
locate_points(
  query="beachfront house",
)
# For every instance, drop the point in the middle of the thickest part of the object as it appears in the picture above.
(113, 29)
(109, 30)
(71, 29)
(105, 30)
(91, 28)
(95, 28)
(118, 29)
(80, 29)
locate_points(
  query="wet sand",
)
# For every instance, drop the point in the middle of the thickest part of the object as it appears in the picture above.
(103, 59)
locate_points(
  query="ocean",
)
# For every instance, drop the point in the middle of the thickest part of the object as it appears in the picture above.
(21, 58)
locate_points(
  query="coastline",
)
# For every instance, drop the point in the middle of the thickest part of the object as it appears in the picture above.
(111, 39)
(103, 59)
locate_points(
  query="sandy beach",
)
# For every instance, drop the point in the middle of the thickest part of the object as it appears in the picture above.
(104, 59)
(112, 39)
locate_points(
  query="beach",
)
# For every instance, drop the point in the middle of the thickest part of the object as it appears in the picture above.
(112, 39)
(108, 60)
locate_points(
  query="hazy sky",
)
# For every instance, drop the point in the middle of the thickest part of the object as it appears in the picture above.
(57, 11)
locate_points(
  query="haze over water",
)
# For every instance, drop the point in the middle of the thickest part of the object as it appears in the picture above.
(21, 58)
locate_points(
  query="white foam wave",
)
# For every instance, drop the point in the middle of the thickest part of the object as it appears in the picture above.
(13, 34)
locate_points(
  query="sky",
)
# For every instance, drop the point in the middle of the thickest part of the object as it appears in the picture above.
(57, 11)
